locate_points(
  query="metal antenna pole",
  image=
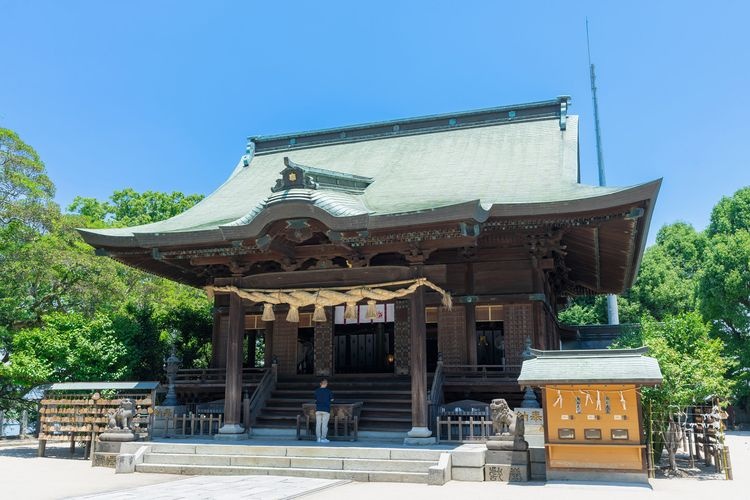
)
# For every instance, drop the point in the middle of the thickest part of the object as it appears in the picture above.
(592, 75)
(612, 311)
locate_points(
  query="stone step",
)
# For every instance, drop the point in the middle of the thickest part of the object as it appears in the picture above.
(365, 416)
(344, 385)
(352, 475)
(348, 394)
(386, 434)
(371, 378)
(376, 404)
(300, 400)
(293, 450)
(328, 463)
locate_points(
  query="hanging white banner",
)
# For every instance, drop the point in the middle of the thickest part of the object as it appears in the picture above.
(386, 314)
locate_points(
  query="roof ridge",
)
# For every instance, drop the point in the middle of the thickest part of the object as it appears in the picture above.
(553, 108)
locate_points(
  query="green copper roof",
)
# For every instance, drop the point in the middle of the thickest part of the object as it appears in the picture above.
(503, 157)
(591, 366)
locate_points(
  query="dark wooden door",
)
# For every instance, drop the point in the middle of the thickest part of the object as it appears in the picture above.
(490, 343)
(363, 348)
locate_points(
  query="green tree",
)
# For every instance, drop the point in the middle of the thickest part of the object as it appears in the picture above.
(692, 364)
(731, 213)
(128, 207)
(724, 283)
(25, 189)
(724, 293)
(592, 310)
(667, 280)
(67, 347)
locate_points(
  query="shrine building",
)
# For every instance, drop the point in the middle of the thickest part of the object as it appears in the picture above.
(381, 254)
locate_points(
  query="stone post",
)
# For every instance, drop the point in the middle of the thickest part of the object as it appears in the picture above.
(24, 424)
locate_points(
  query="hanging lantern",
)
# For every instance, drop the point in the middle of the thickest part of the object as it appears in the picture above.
(293, 314)
(372, 310)
(268, 314)
(351, 310)
(319, 316)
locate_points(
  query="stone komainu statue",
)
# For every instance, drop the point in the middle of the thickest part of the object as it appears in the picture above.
(122, 418)
(503, 418)
(508, 428)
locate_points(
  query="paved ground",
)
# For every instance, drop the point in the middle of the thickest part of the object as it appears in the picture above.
(225, 488)
(662, 489)
(24, 476)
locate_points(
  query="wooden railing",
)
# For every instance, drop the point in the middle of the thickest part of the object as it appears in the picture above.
(252, 406)
(197, 376)
(435, 396)
(191, 424)
(482, 371)
(462, 428)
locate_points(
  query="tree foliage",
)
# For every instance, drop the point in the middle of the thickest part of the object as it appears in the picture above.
(66, 314)
(25, 189)
(724, 284)
(128, 207)
(692, 363)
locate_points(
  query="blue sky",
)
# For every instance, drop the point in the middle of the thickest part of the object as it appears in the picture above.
(161, 95)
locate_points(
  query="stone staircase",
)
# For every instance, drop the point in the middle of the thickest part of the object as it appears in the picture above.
(351, 463)
(387, 400)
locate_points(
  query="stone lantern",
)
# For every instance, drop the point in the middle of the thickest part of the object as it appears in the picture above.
(171, 365)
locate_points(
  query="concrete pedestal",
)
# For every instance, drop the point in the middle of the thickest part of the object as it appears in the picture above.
(507, 459)
(232, 432)
(419, 436)
(232, 437)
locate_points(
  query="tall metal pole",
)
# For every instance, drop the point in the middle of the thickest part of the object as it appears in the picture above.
(612, 312)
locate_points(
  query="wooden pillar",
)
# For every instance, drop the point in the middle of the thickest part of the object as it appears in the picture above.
(268, 345)
(470, 309)
(418, 357)
(470, 316)
(218, 347)
(233, 389)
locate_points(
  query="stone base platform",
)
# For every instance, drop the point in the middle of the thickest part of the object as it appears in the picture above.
(506, 473)
(596, 476)
(355, 463)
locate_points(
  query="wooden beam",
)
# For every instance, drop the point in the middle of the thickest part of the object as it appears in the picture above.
(321, 278)
(322, 251)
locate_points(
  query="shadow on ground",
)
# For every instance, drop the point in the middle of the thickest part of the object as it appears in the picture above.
(53, 451)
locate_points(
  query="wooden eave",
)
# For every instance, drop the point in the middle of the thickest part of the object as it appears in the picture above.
(604, 237)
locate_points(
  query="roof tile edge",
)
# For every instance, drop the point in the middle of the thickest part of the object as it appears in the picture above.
(637, 351)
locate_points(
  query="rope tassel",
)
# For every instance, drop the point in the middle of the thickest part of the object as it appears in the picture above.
(372, 310)
(268, 314)
(293, 314)
(319, 316)
(351, 310)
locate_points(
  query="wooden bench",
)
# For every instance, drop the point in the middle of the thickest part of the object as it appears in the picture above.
(346, 414)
